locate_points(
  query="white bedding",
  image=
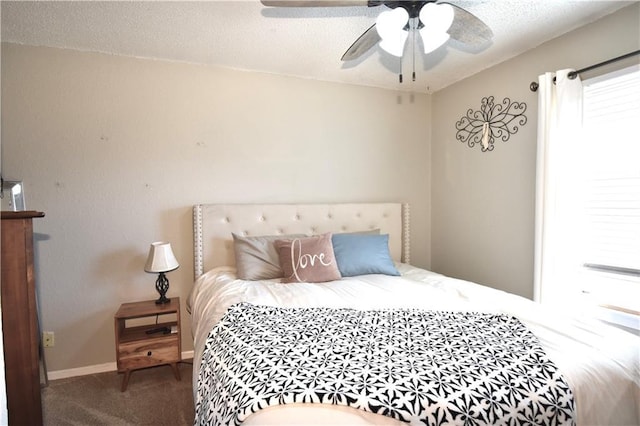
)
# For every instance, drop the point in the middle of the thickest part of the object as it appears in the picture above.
(601, 363)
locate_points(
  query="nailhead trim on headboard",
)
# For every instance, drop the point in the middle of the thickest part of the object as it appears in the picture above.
(197, 240)
(406, 237)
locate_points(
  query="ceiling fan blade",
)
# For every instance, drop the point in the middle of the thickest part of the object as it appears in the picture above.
(314, 3)
(468, 28)
(366, 41)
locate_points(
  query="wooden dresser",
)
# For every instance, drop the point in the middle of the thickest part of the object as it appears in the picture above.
(20, 319)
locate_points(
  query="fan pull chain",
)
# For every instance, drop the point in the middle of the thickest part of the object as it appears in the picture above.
(400, 76)
(413, 49)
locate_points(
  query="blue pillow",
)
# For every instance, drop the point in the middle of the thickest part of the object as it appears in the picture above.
(360, 254)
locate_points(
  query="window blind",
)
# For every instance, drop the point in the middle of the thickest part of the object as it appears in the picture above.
(611, 184)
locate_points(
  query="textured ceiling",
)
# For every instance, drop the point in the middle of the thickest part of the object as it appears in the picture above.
(302, 42)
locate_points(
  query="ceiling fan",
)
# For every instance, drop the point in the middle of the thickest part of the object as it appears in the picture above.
(435, 21)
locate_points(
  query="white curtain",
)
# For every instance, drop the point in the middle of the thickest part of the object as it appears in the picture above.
(556, 236)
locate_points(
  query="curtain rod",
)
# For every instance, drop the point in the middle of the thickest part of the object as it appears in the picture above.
(573, 74)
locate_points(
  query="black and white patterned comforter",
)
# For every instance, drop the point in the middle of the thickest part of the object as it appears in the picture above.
(417, 366)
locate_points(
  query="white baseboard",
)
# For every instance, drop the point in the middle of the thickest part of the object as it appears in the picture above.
(93, 369)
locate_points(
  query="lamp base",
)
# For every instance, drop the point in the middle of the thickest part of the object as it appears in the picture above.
(162, 300)
(162, 285)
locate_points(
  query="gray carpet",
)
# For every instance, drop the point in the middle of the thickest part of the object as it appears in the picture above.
(153, 397)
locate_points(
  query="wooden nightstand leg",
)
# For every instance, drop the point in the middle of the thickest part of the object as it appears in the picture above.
(125, 380)
(176, 372)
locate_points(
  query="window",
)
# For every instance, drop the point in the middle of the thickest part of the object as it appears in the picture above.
(609, 197)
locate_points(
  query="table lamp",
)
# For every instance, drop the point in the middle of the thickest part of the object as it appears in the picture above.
(161, 260)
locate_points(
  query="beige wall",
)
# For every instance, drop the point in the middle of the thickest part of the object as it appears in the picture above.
(116, 150)
(483, 203)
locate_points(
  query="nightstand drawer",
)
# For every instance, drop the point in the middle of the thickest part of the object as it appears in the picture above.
(140, 354)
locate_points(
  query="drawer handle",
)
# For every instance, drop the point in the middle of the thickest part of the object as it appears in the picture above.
(149, 353)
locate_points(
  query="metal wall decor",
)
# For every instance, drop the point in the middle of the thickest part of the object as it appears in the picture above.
(491, 122)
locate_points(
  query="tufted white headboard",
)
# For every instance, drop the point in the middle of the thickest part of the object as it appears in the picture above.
(214, 223)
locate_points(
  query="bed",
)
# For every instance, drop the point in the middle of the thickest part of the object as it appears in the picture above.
(384, 343)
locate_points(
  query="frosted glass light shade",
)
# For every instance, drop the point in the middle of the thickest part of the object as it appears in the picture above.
(161, 258)
(437, 18)
(431, 41)
(390, 26)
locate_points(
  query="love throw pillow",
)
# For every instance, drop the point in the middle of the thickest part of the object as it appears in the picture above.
(308, 259)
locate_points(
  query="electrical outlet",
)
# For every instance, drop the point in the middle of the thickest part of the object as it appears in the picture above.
(48, 339)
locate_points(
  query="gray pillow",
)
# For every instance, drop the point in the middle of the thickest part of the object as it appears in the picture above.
(257, 257)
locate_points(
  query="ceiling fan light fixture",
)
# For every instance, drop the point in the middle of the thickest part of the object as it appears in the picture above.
(432, 40)
(437, 19)
(390, 26)
(394, 47)
(436, 22)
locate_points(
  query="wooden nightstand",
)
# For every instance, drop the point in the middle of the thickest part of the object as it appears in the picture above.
(137, 347)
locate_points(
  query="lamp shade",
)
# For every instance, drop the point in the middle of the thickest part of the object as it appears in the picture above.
(161, 258)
